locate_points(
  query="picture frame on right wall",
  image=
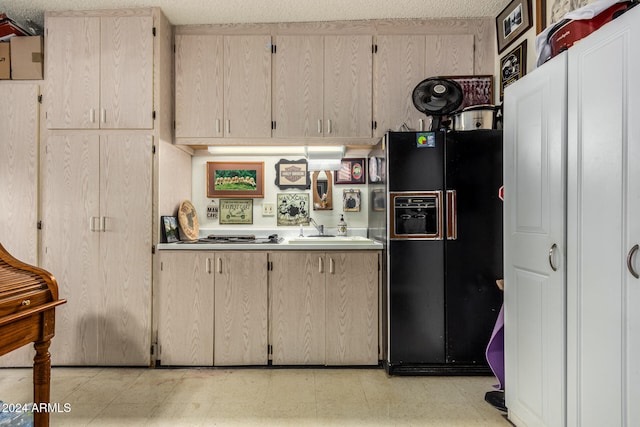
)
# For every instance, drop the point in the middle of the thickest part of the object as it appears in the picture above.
(513, 66)
(512, 22)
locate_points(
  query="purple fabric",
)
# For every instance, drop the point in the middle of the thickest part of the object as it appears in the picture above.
(495, 350)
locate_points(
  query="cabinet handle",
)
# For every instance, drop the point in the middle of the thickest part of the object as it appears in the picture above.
(219, 265)
(452, 215)
(228, 127)
(421, 122)
(332, 269)
(320, 265)
(103, 223)
(92, 223)
(103, 115)
(218, 126)
(208, 267)
(319, 126)
(329, 126)
(92, 115)
(632, 252)
(551, 251)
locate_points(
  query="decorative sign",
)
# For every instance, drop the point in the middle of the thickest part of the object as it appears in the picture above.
(236, 211)
(352, 171)
(235, 179)
(292, 174)
(513, 66)
(293, 209)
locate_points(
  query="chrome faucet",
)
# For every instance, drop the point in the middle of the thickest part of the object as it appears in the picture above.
(318, 227)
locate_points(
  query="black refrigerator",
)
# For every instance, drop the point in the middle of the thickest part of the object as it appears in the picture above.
(443, 250)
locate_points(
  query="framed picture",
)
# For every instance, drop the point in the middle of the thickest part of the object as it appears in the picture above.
(169, 229)
(476, 90)
(352, 171)
(293, 209)
(513, 66)
(236, 211)
(292, 174)
(351, 200)
(235, 179)
(541, 15)
(377, 200)
(512, 22)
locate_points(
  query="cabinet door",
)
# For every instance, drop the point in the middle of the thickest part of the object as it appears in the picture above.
(399, 67)
(73, 71)
(185, 315)
(125, 249)
(297, 303)
(240, 308)
(449, 55)
(19, 123)
(352, 308)
(198, 86)
(603, 320)
(534, 244)
(298, 85)
(126, 72)
(247, 86)
(348, 70)
(70, 247)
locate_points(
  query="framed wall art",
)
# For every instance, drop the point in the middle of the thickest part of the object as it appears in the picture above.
(351, 200)
(352, 171)
(169, 229)
(235, 179)
(513, 66)
(236, 211)
(476, 90)
(293, 209)
(512, 22)
(292, 174)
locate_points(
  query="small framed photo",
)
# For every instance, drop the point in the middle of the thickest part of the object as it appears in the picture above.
(512, 22)
(352, 171)
(292, 174)
(169, 229)
(513, 66)
(351, 200)
(236, 211)
(293, 209)
(235, 179)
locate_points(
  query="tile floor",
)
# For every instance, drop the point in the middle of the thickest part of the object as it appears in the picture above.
(264, 397)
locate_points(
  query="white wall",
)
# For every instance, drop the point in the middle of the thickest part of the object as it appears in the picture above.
(328, 218)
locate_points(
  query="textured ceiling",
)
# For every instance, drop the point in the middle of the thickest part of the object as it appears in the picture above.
(184, 12)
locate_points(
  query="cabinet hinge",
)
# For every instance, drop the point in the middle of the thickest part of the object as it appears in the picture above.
(269, 349)
(269, 265)
(153, 31)
(39, 225)
(40, 98)
(153, 115)
(153, 249)
(374, 48)
(374, 125)
(153, 149)
(274, 48)
(273, 125)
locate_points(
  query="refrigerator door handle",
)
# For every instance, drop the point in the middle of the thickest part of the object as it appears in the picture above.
(452, 215)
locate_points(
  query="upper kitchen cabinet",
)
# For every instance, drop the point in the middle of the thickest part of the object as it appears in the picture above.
(322, 86)
(223, 86)
(100, 71)
(403, 61)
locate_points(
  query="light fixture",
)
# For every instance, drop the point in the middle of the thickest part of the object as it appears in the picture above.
(257, 150)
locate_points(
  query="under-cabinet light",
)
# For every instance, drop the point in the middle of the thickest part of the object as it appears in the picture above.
(252, 150)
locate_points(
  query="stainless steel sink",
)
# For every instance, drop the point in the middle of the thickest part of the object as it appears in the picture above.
(328, 239)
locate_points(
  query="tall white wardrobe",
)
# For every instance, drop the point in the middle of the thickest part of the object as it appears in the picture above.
(572, 229)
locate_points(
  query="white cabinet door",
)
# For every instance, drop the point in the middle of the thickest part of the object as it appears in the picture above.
(351, 308)
(247, 86)
(198, 86)
(348, 68)
(241, 305)
(72, 52)
(297, 303)
(185, 314)
(603, 320)
(298, 86)
(399, 67)
(534, 245)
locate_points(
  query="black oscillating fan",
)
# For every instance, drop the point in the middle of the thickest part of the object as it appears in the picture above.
(437, 97)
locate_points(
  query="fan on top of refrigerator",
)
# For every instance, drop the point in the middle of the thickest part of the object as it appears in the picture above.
(437, 97)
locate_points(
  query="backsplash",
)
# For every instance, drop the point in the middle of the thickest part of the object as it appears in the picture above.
(329, 218)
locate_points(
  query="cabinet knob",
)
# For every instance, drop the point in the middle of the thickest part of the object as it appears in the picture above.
(26, 303)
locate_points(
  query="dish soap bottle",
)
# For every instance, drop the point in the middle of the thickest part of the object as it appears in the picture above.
(342, 226)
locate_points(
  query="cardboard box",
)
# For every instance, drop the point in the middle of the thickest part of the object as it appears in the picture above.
(27, 58)
(5, 60)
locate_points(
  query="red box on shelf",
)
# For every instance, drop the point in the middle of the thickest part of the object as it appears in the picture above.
(9, 28)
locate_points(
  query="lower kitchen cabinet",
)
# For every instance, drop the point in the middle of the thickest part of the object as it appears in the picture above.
(185, 315)
(324, 307)
(240, 308)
